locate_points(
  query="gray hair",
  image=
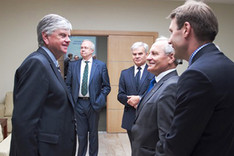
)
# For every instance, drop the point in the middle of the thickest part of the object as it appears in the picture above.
(140, 44)
(168, 49)
(92, 44)
(49, 24)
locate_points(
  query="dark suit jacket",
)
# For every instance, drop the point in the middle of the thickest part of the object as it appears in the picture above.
(154, 115)
(43, 115)
(204, 116)
(127, 87)
(66, 64)
(99, 85)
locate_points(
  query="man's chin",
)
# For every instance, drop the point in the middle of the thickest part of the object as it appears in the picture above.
(149, 69)
(64, 51)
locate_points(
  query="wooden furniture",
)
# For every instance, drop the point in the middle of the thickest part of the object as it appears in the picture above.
(3, 122)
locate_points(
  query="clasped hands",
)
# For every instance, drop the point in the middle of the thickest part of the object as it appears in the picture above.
(133, 100)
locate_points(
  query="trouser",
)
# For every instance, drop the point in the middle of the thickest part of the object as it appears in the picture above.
(87, 128)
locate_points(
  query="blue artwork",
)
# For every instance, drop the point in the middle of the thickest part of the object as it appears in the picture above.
(74, 46)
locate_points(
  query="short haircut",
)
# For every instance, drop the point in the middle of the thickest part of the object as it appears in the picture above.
(92, 44)
(70, 55)
(140, 44)
(201, 18)
(168, 49)
(49, 24)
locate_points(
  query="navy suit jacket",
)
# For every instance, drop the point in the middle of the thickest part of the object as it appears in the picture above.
(43, 116)
(127, 87)
(99, 85)
(154, 115)
(203, 123)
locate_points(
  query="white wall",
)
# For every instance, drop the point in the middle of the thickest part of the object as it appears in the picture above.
(20, 18)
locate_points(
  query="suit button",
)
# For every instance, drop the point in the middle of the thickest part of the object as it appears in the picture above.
(74, 120)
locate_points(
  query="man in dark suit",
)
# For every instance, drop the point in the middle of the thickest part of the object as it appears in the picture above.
(155, 111)
(88, 82)
(203, 123)
(130, 91)
(43, 116)
(66, 64)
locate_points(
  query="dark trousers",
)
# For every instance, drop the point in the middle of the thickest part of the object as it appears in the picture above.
(87, 128)
(130, 137)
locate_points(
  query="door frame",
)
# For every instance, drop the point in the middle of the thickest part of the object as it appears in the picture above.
(107, 33)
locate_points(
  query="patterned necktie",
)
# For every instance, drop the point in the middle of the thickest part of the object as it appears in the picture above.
(138, 77)
(58, 67)
(85, 79)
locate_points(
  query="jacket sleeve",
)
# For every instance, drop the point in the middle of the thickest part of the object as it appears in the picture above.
(122, 95)
(100, 100)
(106, 82)
(30, 92)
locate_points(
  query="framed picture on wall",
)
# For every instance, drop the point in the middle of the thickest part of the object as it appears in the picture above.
(74, 46)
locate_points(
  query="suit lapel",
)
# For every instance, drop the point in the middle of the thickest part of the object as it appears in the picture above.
(77, 75)
(158, 85)
(93, 69)
(77, 71)
(144, 75)
(57, 73)
(132, 78)
(147, 96)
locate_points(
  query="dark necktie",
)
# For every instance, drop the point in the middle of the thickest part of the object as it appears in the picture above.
(152, 83)
(85, 79)
(138, 77)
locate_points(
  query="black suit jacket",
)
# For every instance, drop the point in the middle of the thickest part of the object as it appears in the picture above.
(204, 117)
(127, 87)
(43, 115)
(154, 116)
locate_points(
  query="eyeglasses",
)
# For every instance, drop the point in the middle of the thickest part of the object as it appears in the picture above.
(84, 48)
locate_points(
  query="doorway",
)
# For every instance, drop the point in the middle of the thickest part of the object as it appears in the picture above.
(113, 48)
(101, 54)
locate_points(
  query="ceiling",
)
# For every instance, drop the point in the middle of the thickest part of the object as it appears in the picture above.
(216, 1)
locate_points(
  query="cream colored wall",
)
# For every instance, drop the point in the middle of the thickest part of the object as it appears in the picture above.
(19, 20)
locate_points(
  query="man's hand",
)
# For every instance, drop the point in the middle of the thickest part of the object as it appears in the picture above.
(133, 100)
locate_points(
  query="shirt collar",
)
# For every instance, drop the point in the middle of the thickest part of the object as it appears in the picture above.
(90, 60)
(196, 51)
(161, 75)
(51, 55)
(142, 67)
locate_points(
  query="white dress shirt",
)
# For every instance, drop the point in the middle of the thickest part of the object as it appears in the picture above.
(82, 72)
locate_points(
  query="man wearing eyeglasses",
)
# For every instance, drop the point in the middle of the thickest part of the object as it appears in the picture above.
(88, 82)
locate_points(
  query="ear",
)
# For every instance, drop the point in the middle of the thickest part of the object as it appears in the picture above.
(45, 38)
(171, 57)
(187, 29)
